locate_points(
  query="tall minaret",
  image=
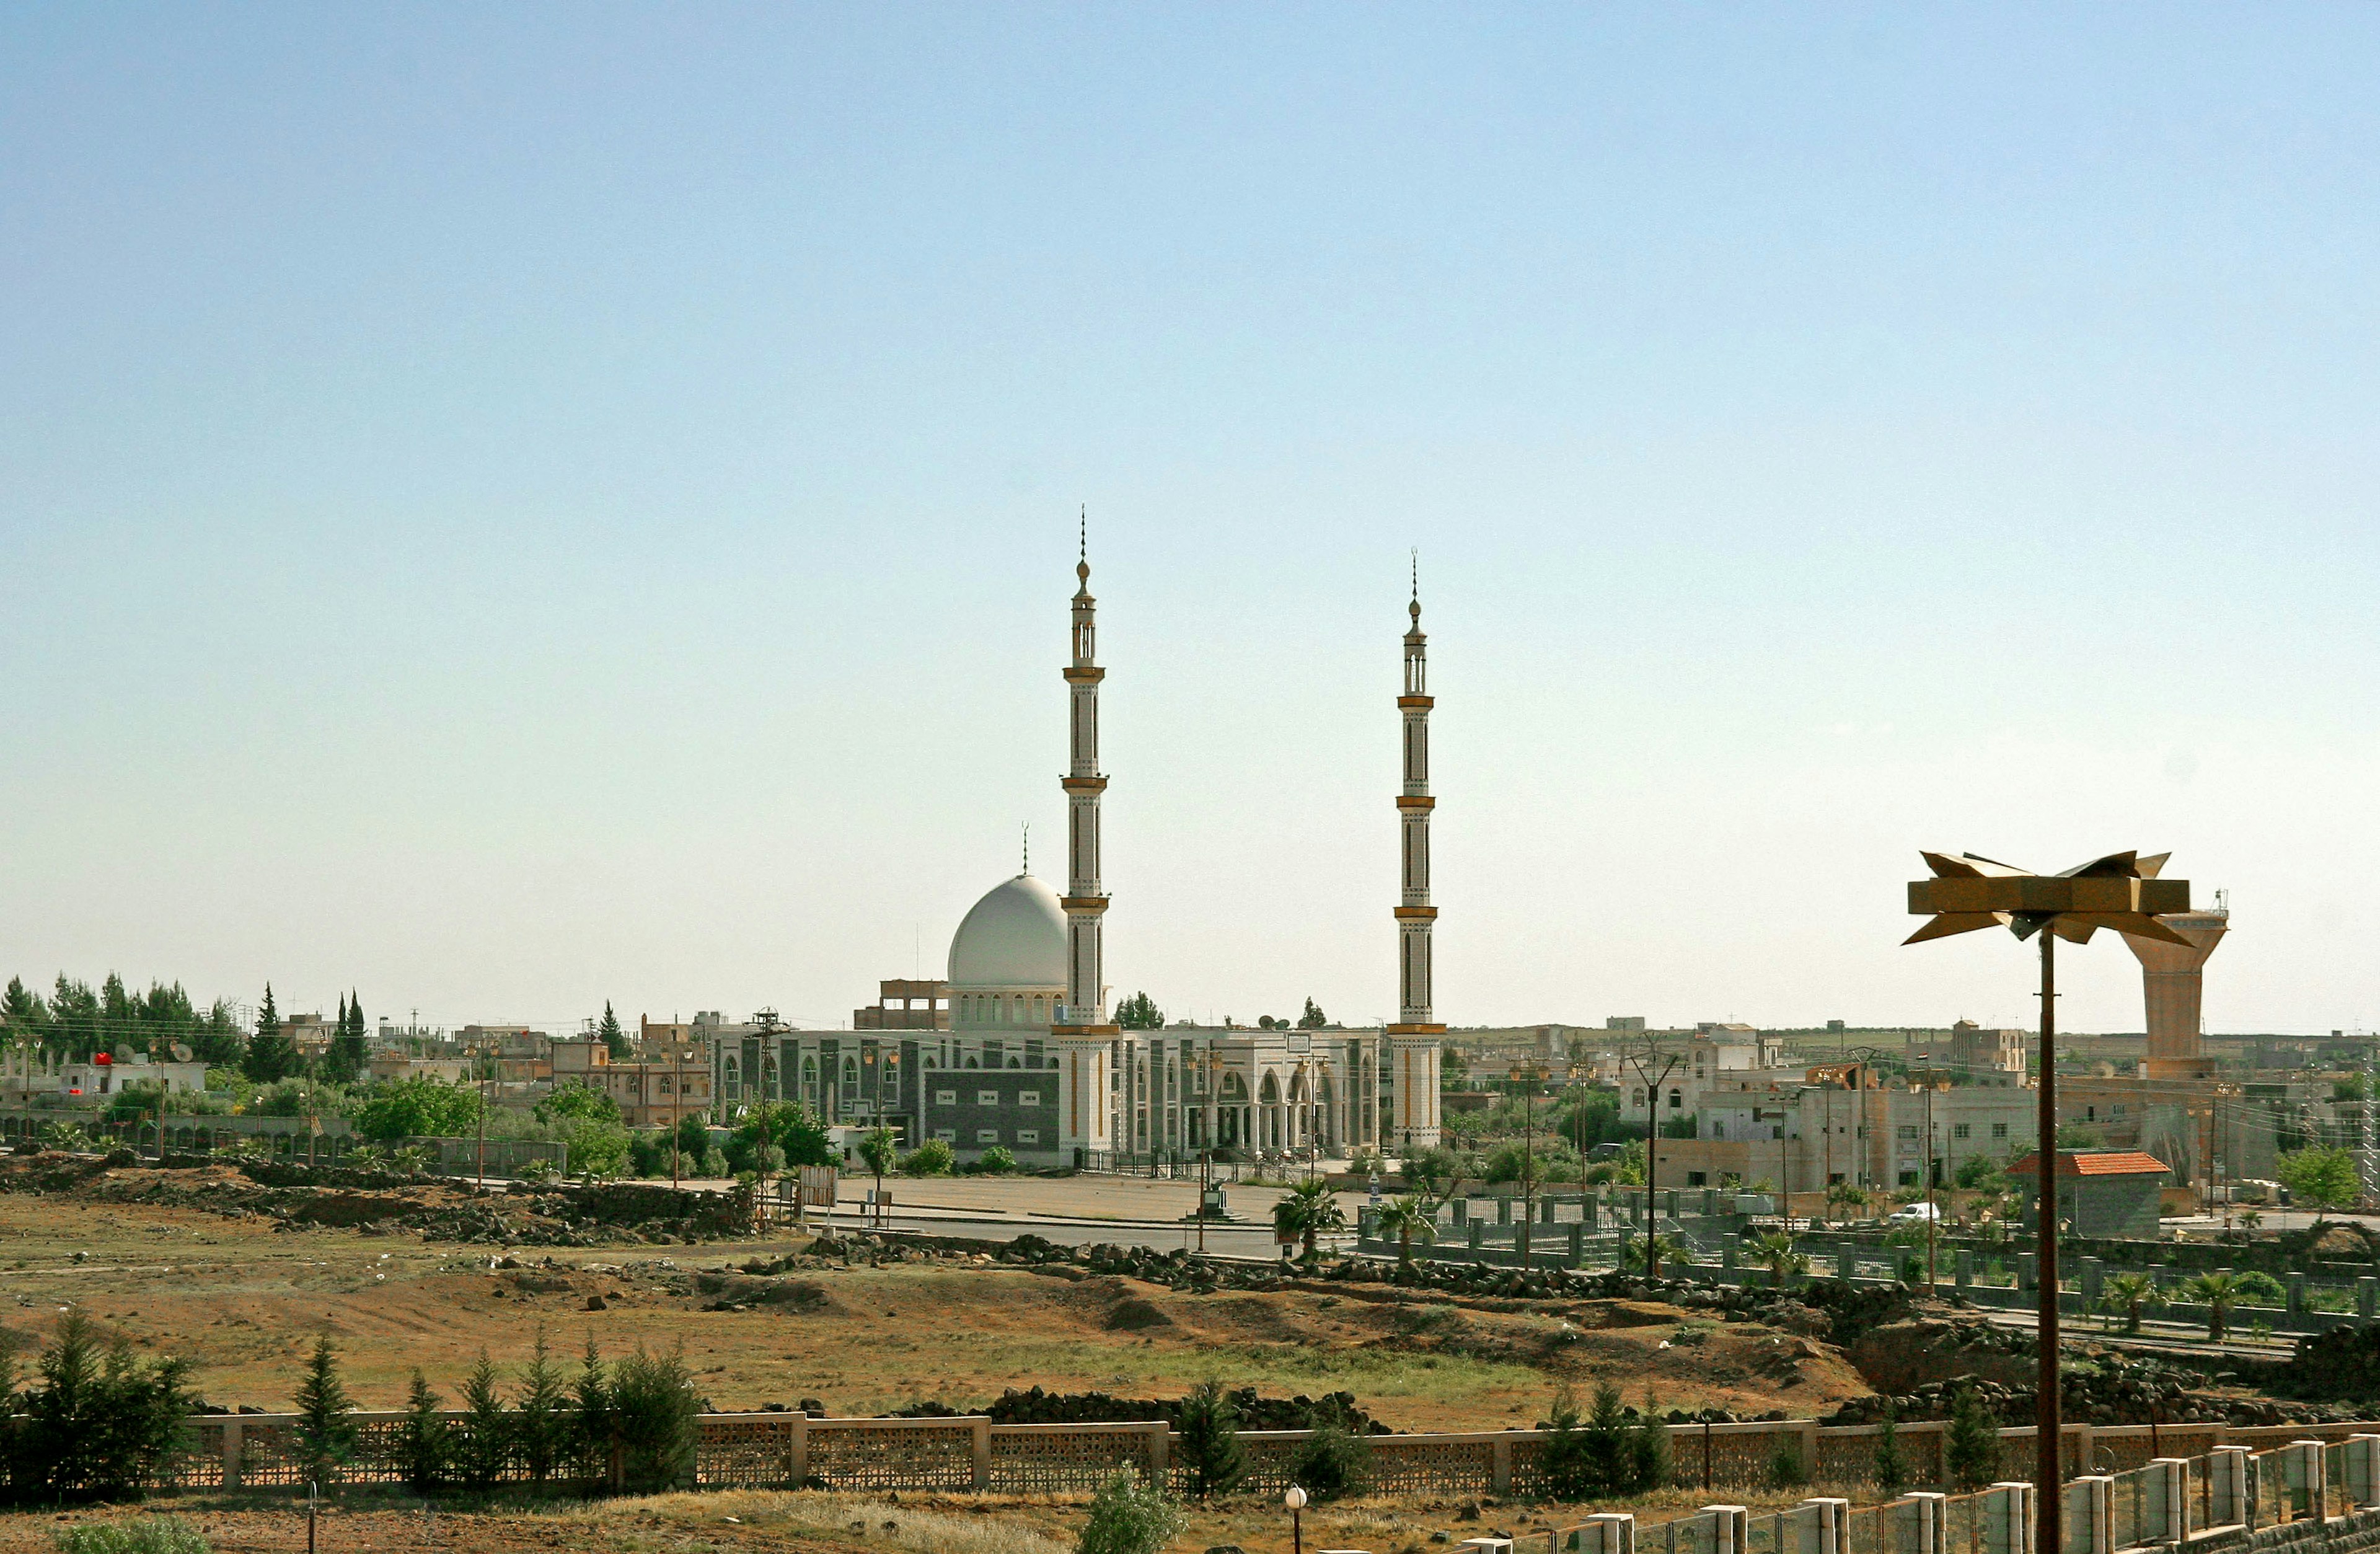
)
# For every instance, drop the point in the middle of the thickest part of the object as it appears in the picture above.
(1413, 1041)
(1083, 1034)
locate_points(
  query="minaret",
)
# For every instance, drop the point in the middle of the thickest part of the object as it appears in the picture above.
(1082, 1034)
(1413, 1039)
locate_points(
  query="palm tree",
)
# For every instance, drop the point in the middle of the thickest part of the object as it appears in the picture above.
(1665, 1250)
(2219, 1293)
(2128, 1293)
(1776, 1251)
(1408, 1217)
(1305, 1212)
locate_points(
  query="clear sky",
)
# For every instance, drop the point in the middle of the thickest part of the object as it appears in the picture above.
(508, 508)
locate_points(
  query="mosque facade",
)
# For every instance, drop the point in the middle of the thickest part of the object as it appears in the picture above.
(1033, 1061)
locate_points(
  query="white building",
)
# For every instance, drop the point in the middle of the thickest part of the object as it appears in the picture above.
(1033, 1063)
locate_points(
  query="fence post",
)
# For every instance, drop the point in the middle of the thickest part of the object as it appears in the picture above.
(2308, 1471)
(2008, 1518)
(2367, 1297)
(1726, 1528)
(2167, 1501)
(2363, 1469)
(1578, 1244)
(1920, 1525)
(1847, 1262)
(2226, 1478)
(231, 1444)
(1161, 1452)
(979, 1447)
(1825, 1524)
(1963, 1267)
(1499, 1474)
(2091, 1505)
(1608, 1532)
(797, 1449)
(2296, 1304)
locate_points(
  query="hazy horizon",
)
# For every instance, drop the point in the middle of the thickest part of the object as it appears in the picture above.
(512, 509)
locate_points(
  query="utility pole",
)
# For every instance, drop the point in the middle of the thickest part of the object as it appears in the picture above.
(1652, 1083)
(1929, 1173)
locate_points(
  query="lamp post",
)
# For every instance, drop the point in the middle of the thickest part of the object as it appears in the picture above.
(2120, 891)
(1295, 1500)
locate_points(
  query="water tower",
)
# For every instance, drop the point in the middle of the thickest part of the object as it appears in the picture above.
(2172, 984)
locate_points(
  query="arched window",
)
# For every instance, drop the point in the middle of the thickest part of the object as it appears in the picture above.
(851, 1076)
(1039, 1006)
(1015, 1063)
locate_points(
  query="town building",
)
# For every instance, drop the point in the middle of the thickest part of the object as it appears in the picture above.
(664, 1083)
(2100, 1192)
(905, 1003)
(1803, 1133)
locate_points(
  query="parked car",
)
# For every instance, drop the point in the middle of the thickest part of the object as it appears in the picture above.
(1916, 1214)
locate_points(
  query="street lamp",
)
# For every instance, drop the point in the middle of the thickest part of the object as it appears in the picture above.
(1295, 1500)
(2120, 891)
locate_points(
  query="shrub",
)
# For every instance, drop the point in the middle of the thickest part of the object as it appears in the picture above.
(933, 1158)
(150, 1534)
(326, 1436)
(428, 1443)
(996, 1161)
(1331, 1462)
(1130, 1517)
(416, 1108)
(1206, 1439)
(1971, 1451)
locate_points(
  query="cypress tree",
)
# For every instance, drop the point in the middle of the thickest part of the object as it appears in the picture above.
(326, 1436)
(429, 1442)
(1648, 1451)
(269, 1057)
(1892, 1463)
(540, 1422)
(616, 1040)
(486, 1441)
(1971, 1449)
(1208, 1432)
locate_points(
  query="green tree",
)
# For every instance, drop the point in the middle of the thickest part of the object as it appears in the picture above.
(1139, 1012)
(1307, 1212)
(2079, 1136)
(1432, 1171)
(487, 1430)
(1648, 1457)
(22, 1011)
(2323, 1177)
(102, 1425)
(791, 1128)
(880, 1150)
(1786, 1468)
(1566, 1467)
(616, 1040)
(1333, 1462)
(1406, 1218)
(269, 1054)
(2127, 1294)
(1130, 1517)
(1313, 1019)
(1206, 1440)
(350, 1048)
(1971, 1450)
(591, 1393)
(587, 1123)
(419, 1107)
(326, 1432)
(1891, 1462)
(657, 1421)
(428, 1442)
(540, 1422)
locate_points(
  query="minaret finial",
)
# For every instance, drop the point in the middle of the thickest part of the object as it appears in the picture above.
(1414, 608)
(1029, 847)
(1083, 545)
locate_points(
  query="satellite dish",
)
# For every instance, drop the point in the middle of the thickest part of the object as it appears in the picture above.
(181, 1053)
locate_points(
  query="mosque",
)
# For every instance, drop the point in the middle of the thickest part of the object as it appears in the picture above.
(1032, 1059)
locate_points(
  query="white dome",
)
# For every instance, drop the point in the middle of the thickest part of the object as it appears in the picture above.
(1015, 937)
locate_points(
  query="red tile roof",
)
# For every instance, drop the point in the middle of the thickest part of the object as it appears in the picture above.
(2095, 1162)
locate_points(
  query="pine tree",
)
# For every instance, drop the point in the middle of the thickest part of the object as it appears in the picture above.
(597, 1428)
(1313, 1019)
(486, 1441)
(541, 1423)
(429, 1442)
(1892, 1463)
(326, 1436)
(270, 1058)
(1648, 1451)
(1972, 1450)
(1206, 1434)
(616, 1040)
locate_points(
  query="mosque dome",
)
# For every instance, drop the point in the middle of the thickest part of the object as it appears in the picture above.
(1015, 937)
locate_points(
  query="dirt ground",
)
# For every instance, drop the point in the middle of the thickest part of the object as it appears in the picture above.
(243, 1299)
(738, 1520)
